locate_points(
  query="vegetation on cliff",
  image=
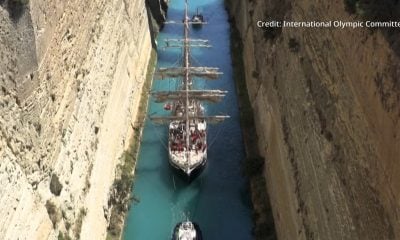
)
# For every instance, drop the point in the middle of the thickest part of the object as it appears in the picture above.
(53, 213)
(120, 194)
(21, 2)
(16, 8)
(374, 10)
(379, 11)
(78, 223)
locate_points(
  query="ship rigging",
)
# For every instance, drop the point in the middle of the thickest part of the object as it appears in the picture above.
(187, 138)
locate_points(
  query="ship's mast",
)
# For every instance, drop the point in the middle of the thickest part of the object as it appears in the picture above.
(187, 81)
(187, 97)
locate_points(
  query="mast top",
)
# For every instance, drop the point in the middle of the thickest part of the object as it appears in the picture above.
(186, 96)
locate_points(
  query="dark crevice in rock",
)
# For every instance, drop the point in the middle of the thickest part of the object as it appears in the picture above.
(55, 185)
(15, 8)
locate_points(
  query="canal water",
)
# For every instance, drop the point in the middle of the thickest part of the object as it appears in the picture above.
(218, 200)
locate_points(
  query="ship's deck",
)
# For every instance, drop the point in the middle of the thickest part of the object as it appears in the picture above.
(197, 142)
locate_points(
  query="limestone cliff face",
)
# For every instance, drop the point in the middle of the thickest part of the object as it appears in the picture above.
(327, 110)
(71, 74)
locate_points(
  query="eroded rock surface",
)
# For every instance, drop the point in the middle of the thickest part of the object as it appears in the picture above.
(327, 110)
(71, 74)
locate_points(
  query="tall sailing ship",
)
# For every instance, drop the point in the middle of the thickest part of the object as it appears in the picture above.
(187, 138)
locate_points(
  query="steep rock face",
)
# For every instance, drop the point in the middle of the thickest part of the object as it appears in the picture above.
(158, 9)
(327, 110)
(71, 75)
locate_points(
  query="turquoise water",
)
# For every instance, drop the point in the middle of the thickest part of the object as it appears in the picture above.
(218, 200)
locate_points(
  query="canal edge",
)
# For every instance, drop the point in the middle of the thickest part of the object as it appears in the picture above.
(121, 196)
(253, 164)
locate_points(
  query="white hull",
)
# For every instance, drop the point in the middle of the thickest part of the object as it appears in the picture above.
(188, 160)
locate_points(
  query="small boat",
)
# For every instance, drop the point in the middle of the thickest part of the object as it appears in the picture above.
(187, 231)
(197, 19)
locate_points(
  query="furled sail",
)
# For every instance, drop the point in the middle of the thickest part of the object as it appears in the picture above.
(210, 119)
(209, 73)
(213, 96)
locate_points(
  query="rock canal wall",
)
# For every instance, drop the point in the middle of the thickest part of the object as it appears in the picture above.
(71, 78)
(326, 110)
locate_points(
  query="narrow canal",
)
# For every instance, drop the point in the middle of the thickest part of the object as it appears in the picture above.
(218, 200)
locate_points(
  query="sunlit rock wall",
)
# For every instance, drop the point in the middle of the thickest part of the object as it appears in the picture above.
(71, 75)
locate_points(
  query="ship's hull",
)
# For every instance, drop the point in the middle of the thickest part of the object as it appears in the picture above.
(197, 21)
(180, 171)
(187, 133)
(197, 25)
(188, 163)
